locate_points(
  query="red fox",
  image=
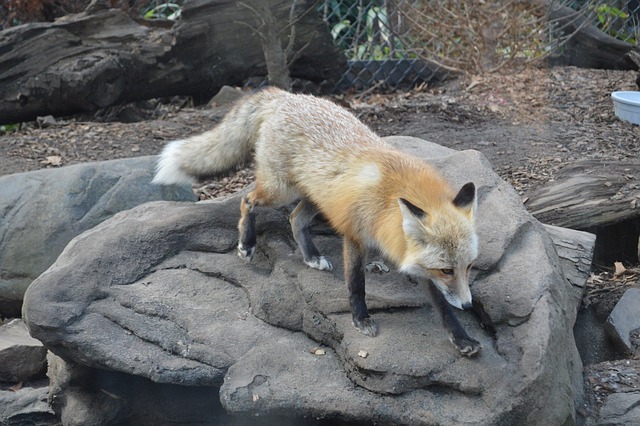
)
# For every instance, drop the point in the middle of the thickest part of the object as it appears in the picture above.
(376, 197)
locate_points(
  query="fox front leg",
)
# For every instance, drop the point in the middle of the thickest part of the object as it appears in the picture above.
(354, 258)
(458, 336)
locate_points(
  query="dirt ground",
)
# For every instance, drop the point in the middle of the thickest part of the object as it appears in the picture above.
(529, 124)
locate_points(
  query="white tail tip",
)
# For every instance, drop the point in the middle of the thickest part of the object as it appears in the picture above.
(168, 170)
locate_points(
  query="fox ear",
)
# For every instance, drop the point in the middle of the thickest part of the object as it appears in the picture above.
(415, 210)
(412, 217)
(466, 200)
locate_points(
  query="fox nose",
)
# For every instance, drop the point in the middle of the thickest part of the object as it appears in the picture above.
(467, 305)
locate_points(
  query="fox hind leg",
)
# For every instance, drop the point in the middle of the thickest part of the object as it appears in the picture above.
(300, 220)
(247, 227)
(247, 224)
(377, 267)
(273, 192)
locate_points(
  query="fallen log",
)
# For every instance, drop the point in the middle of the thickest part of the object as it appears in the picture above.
(588, 46)
(575, 251)
(589, 194)
(602, 197)
(582, 44)
(102, 57)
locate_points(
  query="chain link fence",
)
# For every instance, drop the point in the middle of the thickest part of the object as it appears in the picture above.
(617, 18)
(398, 44)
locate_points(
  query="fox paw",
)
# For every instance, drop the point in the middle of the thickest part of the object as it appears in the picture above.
(467, 346)
(319, 262)
(246, 253)
(366, 326)
(377, 267)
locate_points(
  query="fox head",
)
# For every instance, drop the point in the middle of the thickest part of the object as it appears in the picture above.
(442, 244)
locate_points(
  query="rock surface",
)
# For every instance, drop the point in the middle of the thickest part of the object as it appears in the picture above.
(26, 406)
(21, 356)
(613, 393)
(41, 211)
(158, 292)
(621, 409)
(623, 324)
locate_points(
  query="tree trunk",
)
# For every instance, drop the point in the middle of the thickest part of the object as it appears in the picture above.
(90, 60)
(270, 31)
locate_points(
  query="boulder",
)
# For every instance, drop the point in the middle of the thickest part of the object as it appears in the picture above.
(158, 292)
(41, 211)
(21, 356)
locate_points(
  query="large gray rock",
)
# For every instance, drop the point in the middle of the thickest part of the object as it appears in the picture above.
(159, 292)
(41, 211)
(21, 356)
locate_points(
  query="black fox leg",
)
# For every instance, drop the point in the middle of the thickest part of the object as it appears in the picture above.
(458, 336)
(354, 258)
(247, 228)
(300, 220)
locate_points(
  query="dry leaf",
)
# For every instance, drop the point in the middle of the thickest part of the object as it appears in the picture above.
(52, 160)
(620, 269)
(16, 387)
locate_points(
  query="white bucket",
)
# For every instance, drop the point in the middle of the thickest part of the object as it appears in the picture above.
(627, 106)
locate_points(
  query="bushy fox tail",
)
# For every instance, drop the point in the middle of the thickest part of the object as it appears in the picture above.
(216, 152)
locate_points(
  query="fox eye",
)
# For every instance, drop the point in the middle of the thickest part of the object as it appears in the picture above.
(447, 271)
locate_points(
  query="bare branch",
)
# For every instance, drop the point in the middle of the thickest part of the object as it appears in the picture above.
(294, 57)
(487, 36)
(258, 31)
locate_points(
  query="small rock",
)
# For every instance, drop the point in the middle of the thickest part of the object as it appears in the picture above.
(624, 319)
(363, 354)
(319, 352)
(226, 95)
(27, 406)
(46, 121)
(21, 356)
(621, 409)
